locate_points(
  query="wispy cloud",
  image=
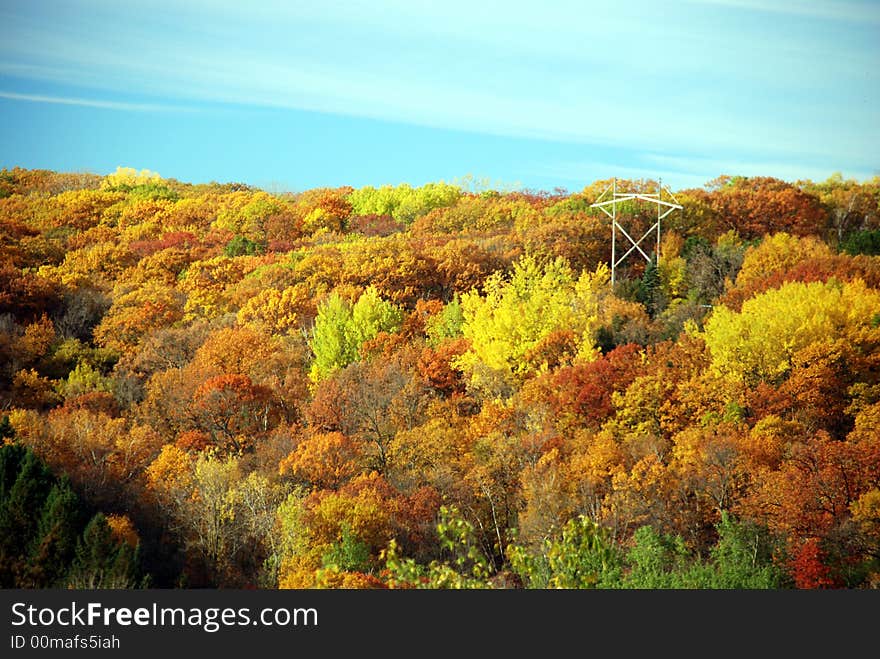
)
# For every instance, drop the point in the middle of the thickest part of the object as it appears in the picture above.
(586, 170)
(94, 103)
(680, 172)
(789, 171)
(841, 10)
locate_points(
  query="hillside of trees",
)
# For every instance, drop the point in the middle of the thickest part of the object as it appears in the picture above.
(436, 387)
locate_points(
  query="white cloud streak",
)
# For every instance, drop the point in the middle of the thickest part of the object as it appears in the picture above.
(93, 103)
(838, 10)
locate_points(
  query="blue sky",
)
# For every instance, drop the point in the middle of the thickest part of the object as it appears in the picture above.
(292, 95)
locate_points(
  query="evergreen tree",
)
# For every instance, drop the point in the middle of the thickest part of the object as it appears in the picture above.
(42, 540)
(650, 290)
(6, 429)
(25, 482)
(101, 561)
(54, 544)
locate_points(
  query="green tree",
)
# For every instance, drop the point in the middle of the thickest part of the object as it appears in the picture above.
(650, 290)
(744, 557)
(6, 429)
(655, 560)
(341, 328)
(403, 202)
(53, 547)
(446, 324)
(101, 561)
(25, 482)
(582, 556)
(464, 565)
(243, 246)
(349, 554)
(862, 242)
(43, 542)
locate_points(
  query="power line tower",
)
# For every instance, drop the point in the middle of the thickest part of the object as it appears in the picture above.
(621, 197)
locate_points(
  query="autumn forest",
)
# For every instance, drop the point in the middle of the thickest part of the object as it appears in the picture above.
(218, 386)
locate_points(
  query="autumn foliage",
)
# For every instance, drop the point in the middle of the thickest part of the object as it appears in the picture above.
(432, 387)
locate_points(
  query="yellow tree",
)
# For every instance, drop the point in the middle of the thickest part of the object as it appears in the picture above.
(98, 265)
(779, 251)
(205, 284)
(129, 177)
(245, 213)
(274, 310)
(519, 311)
(759, 342)
(223, 516)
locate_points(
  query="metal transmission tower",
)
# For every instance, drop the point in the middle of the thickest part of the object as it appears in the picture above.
(620, 197)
